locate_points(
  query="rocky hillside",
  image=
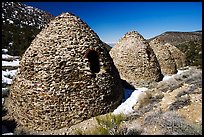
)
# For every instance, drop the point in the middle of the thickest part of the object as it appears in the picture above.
(20, 24)
(193, 51)
(176, 38)
(189, 43)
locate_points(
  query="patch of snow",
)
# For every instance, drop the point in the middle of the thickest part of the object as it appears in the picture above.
(180, 71)
(5, 50)
(200, 52)
(167, 77)
(10, 43)
(131, 99)
(29, 7)
(10, 22)
(11, 63)
(8, 133)
(2, 101)
(126, 107)
(6, 80)
(9, 72)
(7, 56)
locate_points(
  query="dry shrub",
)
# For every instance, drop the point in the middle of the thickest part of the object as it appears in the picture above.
(170, 123)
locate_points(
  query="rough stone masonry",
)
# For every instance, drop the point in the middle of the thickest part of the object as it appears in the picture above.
(65, 76)
(136, 60)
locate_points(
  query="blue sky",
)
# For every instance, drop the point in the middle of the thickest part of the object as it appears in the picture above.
(111, 20)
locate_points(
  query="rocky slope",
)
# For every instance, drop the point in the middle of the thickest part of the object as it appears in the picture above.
(189, 43)
(9, 69)
(176, 38)
(193, 52)
(20, 24)
(22, 15)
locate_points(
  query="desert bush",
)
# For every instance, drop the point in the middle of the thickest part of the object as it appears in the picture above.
(190, 90)
(107, 125)
(110, 122)
(153, 117)
(180, 102)
(170, 123)
(133, 129)
(168, 85)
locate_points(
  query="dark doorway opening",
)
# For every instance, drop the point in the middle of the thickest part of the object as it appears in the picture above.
(93, 59)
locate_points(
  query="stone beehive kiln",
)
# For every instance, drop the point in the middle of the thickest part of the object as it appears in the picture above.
(178, 56)
(164, 56)
(135, 60)
(65, 76)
